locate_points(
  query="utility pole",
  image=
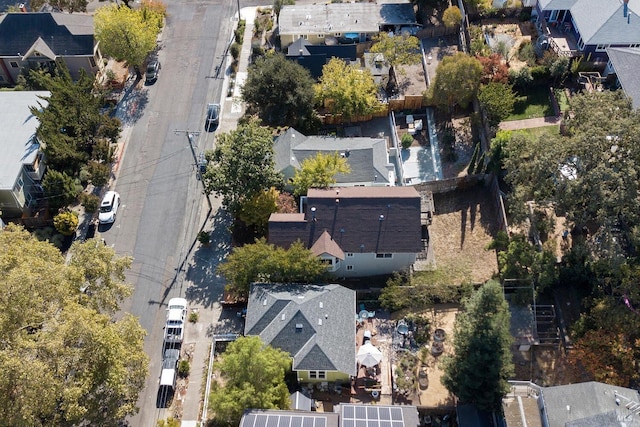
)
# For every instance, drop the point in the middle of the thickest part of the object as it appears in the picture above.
(238, 1)
(198, 163)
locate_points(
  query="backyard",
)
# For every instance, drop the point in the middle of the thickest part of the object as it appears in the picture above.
(532, 102)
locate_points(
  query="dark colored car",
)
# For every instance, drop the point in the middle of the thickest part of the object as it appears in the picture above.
(213, 117)
(152, 71)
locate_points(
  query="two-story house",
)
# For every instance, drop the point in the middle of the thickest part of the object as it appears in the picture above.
(39, 40)
(21, 160)
(313, 323)
(356, 231)
(588, 27)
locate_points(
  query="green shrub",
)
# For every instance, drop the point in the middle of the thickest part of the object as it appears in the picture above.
(527, 53)
(90, 202)
(406, 141)
(522, 78)
(204, 237)
(193, 316)
(100, 173)
(239, 33)
(540, 74)
(183, 368)
(235, 50)
(66, 223)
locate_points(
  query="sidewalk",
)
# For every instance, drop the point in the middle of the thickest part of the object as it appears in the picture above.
(198, 336)
(537, 122)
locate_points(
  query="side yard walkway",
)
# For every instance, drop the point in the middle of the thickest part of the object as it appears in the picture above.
(537, 122)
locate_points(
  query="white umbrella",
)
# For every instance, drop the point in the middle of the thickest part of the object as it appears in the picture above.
(368, 355)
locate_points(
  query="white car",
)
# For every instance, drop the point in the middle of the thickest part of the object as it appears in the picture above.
(176, 317)
(109, 207)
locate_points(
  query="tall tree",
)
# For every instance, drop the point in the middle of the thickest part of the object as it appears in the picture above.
(127, 34)
(72, 125)
(256, 210)
(253, 377)
(478, 371)
(62, 362)
(261, 261)
(60, 189)
(397, 50)
(280, 91)
(498, 100)
(457, 81)
(347, 90)
(241, 165)
(452, 17)
(319, 171)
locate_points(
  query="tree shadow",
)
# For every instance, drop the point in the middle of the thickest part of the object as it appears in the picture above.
(206, 285)
(134, 100)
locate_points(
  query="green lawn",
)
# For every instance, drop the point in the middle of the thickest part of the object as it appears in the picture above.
(535, 133)
(532, 103)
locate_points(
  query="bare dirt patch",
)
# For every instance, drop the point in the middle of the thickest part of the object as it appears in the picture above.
(463, 146)
(463, 225)
(516, 33)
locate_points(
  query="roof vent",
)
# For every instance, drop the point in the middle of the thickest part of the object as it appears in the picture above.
(282, 317)
(298, 325)
(264, 301)
(321, 304)
(319, 322)
(381, 217)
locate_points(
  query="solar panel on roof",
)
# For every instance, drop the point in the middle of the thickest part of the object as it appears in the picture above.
(272, 421)
(385, 423)
(321, 422)
(284, 421)
(249, 419)
(398, 424)
(307, 422)
(384, 413)
(361, 423)
(348, 411)
(348, 423)
(372, 413)
(396, 414)
(361, 412)
(372, 423)
(296, 422)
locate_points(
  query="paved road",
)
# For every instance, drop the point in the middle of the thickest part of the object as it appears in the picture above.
(162, 199)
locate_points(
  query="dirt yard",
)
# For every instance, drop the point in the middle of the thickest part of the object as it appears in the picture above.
(464, 224)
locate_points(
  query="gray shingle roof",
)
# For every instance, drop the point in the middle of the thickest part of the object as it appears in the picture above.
(354, 222)
(556, 4)
(64, 34)
(583, 404)
(367, 157)
(603, 22)
(314, 323)
(626, 63)
(18, 127)
(343, 17)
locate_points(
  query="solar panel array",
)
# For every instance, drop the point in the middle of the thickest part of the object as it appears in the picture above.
(283, 420)
(371, 416)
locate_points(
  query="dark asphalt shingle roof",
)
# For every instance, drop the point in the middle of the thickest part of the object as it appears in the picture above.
(326, 338)
(354, 222)
(64, 34)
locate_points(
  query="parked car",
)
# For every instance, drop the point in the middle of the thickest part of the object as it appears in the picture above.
(176, 317)
(168, 377)
(213, 117)
(153, 68)
(109, 207)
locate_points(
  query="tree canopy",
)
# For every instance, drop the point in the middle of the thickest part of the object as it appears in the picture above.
(457, 81)
(256, 210)
(72, 126)
(478, 371)
(498, 100)
(65, 5)
(319, 171)
(452, 16)
(62, 362)
(398, 50)
(241, 165)
(347, 90)
(280, 91)
(261, 261)
(253, 377)
(127, 34)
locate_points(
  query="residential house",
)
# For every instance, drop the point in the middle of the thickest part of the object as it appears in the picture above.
(368, 158)
(39, 40)
(356, 231)
(314, 57)
(313, 323)
(344, 415)
(22, 162)
(333, 23)
(624, 64)
(573, 405)
(588, 27)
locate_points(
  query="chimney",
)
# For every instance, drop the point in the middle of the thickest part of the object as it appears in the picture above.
(626, 8)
